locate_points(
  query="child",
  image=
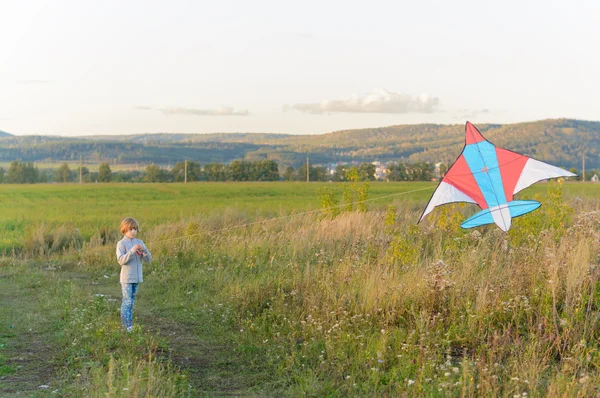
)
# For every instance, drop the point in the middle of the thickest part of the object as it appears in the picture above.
(130, 253)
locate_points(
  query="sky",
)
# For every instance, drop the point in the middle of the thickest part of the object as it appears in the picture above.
(76, 68)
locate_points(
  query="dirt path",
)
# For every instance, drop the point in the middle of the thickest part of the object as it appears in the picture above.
(28, 342)
(211, 366)
(27, 355)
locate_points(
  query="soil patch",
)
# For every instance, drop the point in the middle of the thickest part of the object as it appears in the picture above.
(27, 354)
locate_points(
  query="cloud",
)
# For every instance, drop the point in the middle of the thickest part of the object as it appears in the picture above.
(468, 114)
(378, 101)
(222, 111)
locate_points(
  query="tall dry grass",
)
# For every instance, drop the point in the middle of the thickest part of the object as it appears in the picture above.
(350, 306)
(44, 240)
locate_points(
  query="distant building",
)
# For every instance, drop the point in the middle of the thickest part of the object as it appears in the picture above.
(594, 178)
(437, 171)
(381, 171)
(331, 168)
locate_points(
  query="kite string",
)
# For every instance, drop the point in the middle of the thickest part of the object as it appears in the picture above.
(286, 216)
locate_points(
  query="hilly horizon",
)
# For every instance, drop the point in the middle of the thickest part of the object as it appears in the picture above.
(558, 141)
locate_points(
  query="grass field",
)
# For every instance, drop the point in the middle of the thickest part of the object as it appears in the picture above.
(93, 207)
(356, 304)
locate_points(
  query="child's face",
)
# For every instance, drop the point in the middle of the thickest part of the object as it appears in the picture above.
(131, 233)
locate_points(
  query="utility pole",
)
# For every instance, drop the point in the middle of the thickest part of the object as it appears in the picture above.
(307, 169)
(185, 171)
(80, 168)
(583, 167)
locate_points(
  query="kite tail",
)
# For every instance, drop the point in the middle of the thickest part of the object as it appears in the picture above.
(516, 208)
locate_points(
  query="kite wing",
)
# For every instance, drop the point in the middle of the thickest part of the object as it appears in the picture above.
(519, 171)
(535, 171)
(458, 185)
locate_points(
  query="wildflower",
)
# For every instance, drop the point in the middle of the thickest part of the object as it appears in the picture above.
(411, 382)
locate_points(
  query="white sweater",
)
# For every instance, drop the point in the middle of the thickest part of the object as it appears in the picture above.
(131, 263)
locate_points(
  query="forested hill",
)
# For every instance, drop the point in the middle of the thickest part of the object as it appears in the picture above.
(558, 141)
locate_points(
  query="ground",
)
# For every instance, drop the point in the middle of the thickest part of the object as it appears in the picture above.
(27, 356)
(29, 341)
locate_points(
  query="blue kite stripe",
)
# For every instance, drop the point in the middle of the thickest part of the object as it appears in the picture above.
(482, 156)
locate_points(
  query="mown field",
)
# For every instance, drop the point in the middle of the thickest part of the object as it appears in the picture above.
(360, 303)
(91, 208)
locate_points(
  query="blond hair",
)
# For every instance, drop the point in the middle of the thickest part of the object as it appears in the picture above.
(128, 224)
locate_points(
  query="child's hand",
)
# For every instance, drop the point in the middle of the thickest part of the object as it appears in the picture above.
(138, 249)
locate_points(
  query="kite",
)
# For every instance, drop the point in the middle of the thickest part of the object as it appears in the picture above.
(490, 177)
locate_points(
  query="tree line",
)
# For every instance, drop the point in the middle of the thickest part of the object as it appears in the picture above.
(239, 170)
(27, 173)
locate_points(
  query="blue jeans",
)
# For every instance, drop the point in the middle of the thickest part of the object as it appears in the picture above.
(129, 291)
